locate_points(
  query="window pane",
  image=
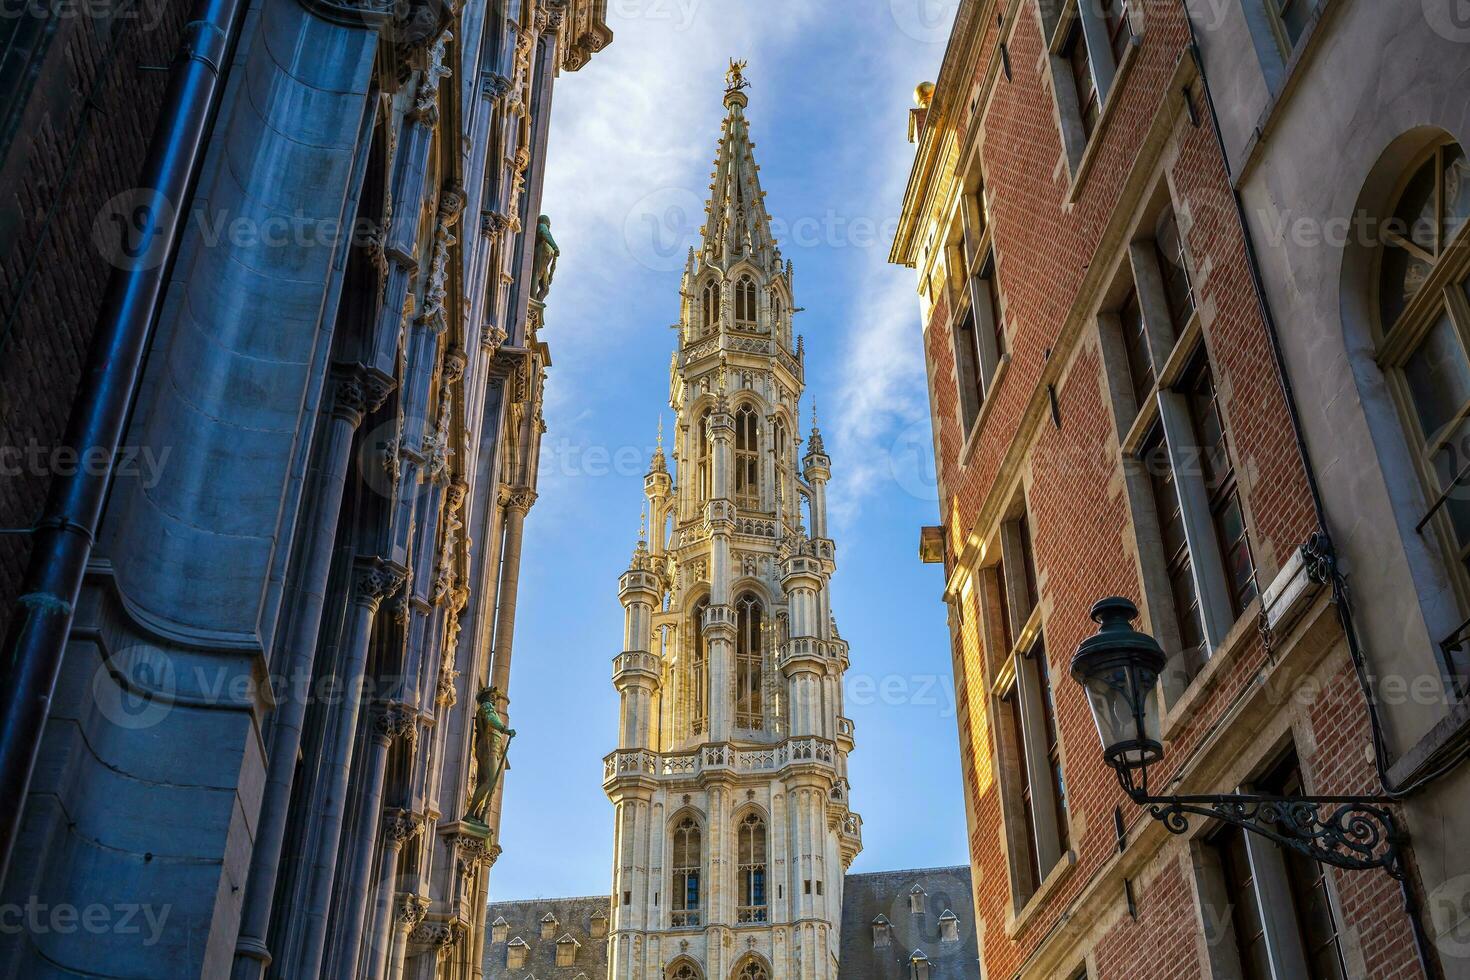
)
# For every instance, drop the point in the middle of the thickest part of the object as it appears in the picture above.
(1294, 16)
(1010, 719)
(1115, 12)
(1415, 216)
(1076, 54)
(1438, 377)
(1179, 565)
(1053, 745)
(1250, 928)
(1402, 277)
(968, 370)
(1169, 249)
(1456, 191)
(1135, 344)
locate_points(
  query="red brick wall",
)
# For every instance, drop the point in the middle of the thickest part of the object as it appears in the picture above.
(47, 217)
(1079, 516)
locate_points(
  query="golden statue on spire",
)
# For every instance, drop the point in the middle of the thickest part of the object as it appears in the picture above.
(735, 79)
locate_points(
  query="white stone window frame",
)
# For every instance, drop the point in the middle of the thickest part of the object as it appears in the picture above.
(1019, 677)
(1275, 48)
(687, 918)
(1107, 72)
(1170, 356)
(976, 294)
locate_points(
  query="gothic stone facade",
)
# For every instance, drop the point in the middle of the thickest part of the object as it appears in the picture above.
(732, 831)
(896, 925)
(1109, 419)
(263, 730)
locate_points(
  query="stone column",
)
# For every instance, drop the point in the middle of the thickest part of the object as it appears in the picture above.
(393, 721)
(357, 393)
(399, 827)
(517, 502)
(376, 580)
(636, 674)
(408, 911)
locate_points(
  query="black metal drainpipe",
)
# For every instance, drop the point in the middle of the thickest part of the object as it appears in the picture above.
(1427, 961)
(63, 540)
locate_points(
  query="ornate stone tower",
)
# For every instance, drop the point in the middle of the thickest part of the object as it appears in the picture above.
(733, 830)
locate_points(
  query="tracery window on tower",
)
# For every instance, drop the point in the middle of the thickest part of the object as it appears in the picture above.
(747, 459)
(710, 314)
(688, 856)
(749, 663)
(706, 458)
(686, 971)
(752, 970)
(745, 301)
(752, 840)
(698, 671)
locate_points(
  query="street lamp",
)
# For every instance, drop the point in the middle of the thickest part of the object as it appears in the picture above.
(1119, 669)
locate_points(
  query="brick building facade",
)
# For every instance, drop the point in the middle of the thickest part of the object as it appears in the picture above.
(1110, 419)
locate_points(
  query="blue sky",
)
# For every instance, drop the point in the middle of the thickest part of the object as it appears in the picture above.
(632, 145)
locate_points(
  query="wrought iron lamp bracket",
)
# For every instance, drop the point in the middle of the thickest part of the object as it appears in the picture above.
(1353, 832)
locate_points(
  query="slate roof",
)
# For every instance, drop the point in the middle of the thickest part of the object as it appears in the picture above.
(890, 894)
(868, 896)
(573, 917)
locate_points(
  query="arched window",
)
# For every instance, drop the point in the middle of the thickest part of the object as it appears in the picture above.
(752, 834)
(698, 671)
(688, 854)
(747, 459)
(1424, 310)
(745, 301)
(752, 970)
(706, 458)
(749, 661)
(711, 313)
(685, 971)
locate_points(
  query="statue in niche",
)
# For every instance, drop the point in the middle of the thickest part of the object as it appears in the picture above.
(547, 253)
(492, 743)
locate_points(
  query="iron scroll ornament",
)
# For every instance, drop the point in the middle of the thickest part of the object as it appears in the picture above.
(1353, 832)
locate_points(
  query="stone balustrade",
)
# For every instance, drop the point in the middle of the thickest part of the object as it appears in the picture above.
(718, 758)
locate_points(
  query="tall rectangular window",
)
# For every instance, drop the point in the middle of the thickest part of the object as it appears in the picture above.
(1135, 346)
(1088, 104)
(1279, 909)
(980, 333)
(1035, 789)
(1226, 514)
(1174, 269)
(968, 370)
(1115, 19)
(1179, 566)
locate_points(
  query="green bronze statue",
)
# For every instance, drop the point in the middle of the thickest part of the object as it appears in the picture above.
(547, 253)
(492, 742)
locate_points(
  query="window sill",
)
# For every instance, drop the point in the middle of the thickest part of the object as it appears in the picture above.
(1109, 110)
(1017, 920)
(973, 439)
(1236, 641)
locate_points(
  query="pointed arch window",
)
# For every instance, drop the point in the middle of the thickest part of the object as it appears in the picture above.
(698, 671)
(752, 970)
(688, 859)
(706, 458)
(745, 301)
(783, 463)
(1424, 312)
(711, 311)
(752, 834)
(685, 971)
(747, 459)
(749, 663)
